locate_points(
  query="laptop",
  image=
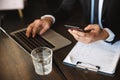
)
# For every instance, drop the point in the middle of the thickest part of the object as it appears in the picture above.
(50, 39)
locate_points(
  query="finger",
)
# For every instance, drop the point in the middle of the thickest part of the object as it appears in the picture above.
(44, 29)
(93, 27)
(90, 27)
(37, 27)
(73, 34)
(70, 31)
(29, 29)
(79, 33)
(34, 31)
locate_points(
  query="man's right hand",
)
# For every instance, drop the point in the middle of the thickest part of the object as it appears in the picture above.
(38, 26)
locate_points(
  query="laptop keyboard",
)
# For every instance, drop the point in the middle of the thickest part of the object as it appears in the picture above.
(30, 43)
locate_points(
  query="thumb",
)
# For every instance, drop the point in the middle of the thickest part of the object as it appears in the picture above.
(89, 27)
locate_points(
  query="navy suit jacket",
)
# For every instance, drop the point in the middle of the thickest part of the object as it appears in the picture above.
(110, 13)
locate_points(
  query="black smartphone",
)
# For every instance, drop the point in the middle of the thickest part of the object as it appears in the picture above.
(76, 28)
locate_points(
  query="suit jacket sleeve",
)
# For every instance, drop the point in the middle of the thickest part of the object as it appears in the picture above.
(64, 10)
(112, 17)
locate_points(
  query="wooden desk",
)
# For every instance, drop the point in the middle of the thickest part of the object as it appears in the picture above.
(16, 64)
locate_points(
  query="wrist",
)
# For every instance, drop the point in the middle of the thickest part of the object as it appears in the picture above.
(111, 35)
(105, 34)
(49, 20)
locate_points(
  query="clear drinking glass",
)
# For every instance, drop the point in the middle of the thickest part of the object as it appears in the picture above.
(42, 60)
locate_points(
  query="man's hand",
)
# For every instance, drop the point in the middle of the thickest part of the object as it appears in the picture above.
(96, 33)
(39, 26)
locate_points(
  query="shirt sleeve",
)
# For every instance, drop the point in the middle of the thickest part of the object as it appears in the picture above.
(53, 18)
(111, 35)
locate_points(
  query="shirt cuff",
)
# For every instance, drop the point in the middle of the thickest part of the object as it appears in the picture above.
(53, 18)
(111, 35)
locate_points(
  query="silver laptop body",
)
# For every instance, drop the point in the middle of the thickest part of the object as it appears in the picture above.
(51, 39)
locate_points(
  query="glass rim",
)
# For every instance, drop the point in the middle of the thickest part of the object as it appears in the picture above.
(51, 52)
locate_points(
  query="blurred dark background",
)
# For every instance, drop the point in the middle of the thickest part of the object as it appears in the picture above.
(33, 9)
